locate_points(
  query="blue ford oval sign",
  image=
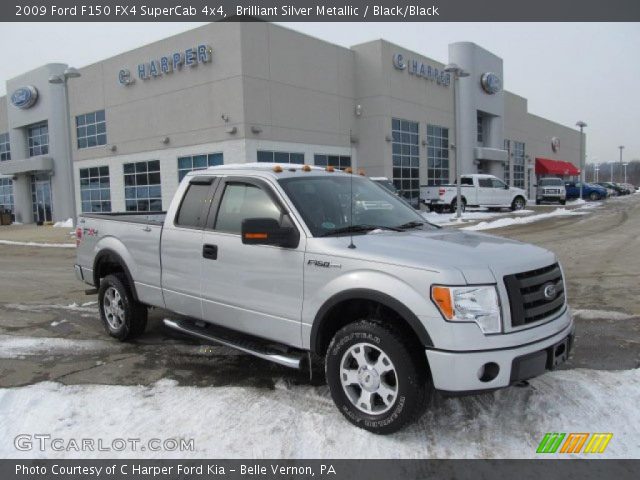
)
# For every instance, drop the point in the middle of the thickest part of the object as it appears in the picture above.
(24, 97)
(491, 83)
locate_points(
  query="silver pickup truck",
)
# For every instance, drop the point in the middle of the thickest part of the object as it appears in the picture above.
(298, 264)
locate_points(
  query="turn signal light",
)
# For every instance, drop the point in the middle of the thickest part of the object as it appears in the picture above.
(256, 236)
(330, 169)
(361, 172)
(306, 168)
(348, 170)
(442, 297)
(277, 169)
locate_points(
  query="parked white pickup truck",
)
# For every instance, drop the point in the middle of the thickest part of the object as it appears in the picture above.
(303, 266)
(477, 191)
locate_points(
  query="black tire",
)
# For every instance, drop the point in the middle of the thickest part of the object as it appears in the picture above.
(133, 319)
(593, 196)
(454, 203)
(409, 376)
(519, 203)
(538, 202)
(563, 202)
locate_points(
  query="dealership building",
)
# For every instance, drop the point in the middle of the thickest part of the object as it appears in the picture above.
(120, 134)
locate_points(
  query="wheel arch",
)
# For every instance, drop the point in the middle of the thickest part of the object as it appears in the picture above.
(108, 262)
(327, 320)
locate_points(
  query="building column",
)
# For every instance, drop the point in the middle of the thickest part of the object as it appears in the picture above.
(22, 204)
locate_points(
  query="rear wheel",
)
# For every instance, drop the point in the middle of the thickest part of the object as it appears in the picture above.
(377, 380)
(454, 204)
(121, 315)
(593, 196)
(518, 203)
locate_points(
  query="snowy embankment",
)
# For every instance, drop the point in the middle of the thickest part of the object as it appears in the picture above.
(38, 244)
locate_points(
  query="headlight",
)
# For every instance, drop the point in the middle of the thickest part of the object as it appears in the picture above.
(469, 304)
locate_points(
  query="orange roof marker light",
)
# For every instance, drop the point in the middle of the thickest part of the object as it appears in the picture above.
(306, 168)
(330, 169)
(277, 169)
(362, 173)
(348, 170)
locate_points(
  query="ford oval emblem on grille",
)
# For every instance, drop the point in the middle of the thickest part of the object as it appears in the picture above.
(550, 291)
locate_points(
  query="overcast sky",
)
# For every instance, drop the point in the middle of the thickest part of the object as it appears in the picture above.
(567, 71)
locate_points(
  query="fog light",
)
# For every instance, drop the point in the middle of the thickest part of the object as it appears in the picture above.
(489, 371)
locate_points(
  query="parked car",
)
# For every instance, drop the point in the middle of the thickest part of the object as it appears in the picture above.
(590, 191)
(478, 190)
(552, 190)
(627, 188)
(302, 266)
(612, 187)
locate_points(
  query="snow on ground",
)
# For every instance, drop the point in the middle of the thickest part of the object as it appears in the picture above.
(469, 215)
(294, 421)
(13, 346)
(37, 244)
(506, 222)
(601, 315)
(68, 223)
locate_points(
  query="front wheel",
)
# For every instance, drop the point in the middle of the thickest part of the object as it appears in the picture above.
(518, 204)
(122, 316)
(377, 381)
(593, 196)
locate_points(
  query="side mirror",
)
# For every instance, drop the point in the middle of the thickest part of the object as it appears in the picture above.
(506, 187)
(267, 231)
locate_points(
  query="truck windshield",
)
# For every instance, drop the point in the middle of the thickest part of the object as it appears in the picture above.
(325, 204)
(551, 182)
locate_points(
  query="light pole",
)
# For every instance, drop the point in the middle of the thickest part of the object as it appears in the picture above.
(596, 169)
(625, 171)
(621, 147)
(62, 79)
(457, 73)
(581, 125)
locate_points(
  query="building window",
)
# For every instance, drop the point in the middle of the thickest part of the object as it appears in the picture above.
(5, 147)
(190, 163)
(38, 137)
(6, 195)
(280, 157)
(437, 155)
(95, 191)
(142, 190)
(480, 138)
(406, 158)
(337, 161)
(91, 129)
(506, 175)
(518, 164)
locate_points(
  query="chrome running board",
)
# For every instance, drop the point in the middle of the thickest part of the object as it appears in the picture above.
(251, 345)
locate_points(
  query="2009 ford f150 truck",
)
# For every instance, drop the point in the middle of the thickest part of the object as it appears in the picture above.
(299, 263)
(477, 190)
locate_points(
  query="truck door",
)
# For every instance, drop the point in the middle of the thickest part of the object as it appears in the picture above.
(485, 191)
(181, 248)
(501, 195)
(257, 289)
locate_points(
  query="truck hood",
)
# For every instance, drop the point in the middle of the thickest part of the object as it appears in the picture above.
(479, 257)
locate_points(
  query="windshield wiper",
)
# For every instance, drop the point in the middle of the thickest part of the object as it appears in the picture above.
(412, 224)
(359, 229)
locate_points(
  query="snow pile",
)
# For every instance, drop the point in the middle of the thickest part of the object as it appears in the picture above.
(577, 201)
(507, 222)
(469, 215)
(301, 421)
(37, 244)
(16, 346)
(601, 315)
(68, 223)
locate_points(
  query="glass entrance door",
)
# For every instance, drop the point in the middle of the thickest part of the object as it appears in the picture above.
(41, 198)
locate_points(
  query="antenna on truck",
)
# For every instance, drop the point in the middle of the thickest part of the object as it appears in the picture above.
(350, 171)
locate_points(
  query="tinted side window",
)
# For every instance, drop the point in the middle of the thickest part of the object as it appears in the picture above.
(192, 211)
(466, 181)
(240, 201)
(484, 182)
(497, 183)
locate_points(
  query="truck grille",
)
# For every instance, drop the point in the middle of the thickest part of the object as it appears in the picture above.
(527, 298)
(551, 191)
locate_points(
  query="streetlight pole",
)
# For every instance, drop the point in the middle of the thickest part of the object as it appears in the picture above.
(625, 171)
(581, 125)
(62, 79)
(621, 147)
(457, 73)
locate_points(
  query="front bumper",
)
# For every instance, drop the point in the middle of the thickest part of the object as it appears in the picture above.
(467, 372)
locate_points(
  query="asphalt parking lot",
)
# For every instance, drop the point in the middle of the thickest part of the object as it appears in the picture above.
(40, 298)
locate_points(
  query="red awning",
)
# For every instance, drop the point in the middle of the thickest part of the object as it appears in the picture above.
(546, 166)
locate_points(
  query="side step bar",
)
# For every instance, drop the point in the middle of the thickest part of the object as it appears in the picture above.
(255, 347)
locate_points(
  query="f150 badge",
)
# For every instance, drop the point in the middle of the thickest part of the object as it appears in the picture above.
(320, 263)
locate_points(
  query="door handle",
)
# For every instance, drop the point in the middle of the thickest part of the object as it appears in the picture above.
(210, 251)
